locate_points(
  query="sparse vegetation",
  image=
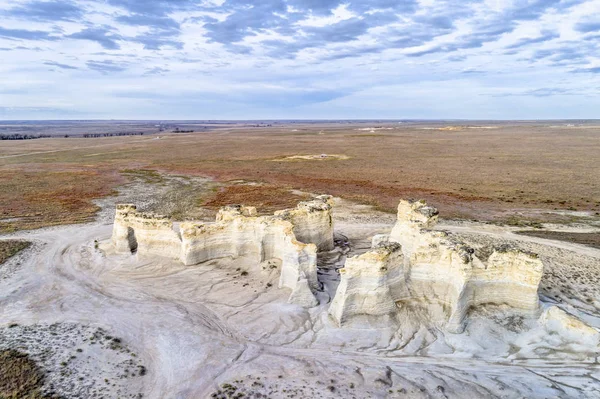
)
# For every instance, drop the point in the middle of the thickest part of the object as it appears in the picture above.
(34, 199)
(147, 175)
(20, 377)
(9, 248)
(266, 198)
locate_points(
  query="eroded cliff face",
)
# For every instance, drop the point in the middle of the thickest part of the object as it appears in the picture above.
(312, 222)
(237, 232)
(146, 233)
(370, 285)
(436, 272)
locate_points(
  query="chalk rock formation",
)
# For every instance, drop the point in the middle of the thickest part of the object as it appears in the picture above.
(144, 232)
(238, 231)
(371, 284)
(436, 272)
(560, 322)
(312, 221)
(236, 234)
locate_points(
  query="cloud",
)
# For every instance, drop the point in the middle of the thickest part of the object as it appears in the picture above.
(156, 71)
(103, 35)
(496, 25)
(156, 40)
(155, 7)
(163, 31)
(540, 92)
(588, 26)
(482, 34)
(26, 34)
(533, 9)
(248, 18)
(472, 71)
(59, 65)
(277, 98)
(148, 20)
(106, 66)
(61, 10)
(546, 36)
(457, 58)
(587, 70)
(567, 54)
(548, 91)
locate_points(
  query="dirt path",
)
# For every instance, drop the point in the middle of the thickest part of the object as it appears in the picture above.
(509, 234)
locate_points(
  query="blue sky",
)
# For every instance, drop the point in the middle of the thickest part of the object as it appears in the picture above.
(242, 59)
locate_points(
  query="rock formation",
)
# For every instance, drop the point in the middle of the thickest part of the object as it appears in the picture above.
(292, 236)
(371, 284)
(414, 266)
(146, 233)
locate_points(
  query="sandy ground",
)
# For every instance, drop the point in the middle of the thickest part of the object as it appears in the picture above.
(211, 331)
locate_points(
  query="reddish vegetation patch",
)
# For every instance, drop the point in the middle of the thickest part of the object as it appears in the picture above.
(31, 200)
(266, 198)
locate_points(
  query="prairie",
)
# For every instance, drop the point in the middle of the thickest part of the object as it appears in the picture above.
(519, 173)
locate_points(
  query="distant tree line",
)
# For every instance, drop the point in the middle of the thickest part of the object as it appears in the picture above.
(18, 136)
(94, 135)
(182, 131)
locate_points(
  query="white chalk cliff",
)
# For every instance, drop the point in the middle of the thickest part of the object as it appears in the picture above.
(293, 236)
(414, 266)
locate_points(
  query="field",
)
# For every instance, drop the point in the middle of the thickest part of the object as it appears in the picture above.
(517, 173)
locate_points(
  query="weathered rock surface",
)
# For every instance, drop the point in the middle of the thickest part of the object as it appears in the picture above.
(435, 272)
(312, 222)
(146, 233)
(292, 236)
(371, 284)
(557, 321)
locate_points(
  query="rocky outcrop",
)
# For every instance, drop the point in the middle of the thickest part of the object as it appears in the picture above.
(437, 273)
(312, 221)
(237, 232)
(146, 233)
(371, 284)
(557, 321)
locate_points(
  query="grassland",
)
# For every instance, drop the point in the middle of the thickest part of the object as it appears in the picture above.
(536, 171)
(266, 198)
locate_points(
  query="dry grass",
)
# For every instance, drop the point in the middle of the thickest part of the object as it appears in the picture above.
(33, 199)
(266, 198)
(484, 174)
(20, 377)
(9, 248)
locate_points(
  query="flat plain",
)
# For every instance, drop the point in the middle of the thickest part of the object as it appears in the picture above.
(513, 172)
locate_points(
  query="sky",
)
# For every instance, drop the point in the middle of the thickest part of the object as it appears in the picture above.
(299, 59)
